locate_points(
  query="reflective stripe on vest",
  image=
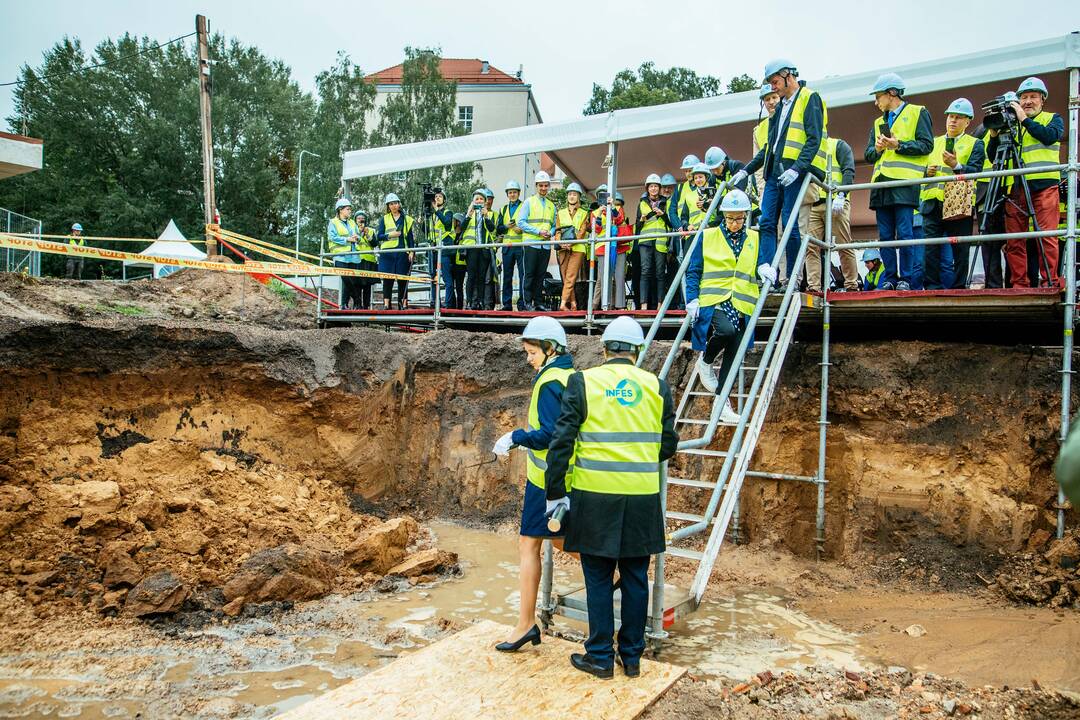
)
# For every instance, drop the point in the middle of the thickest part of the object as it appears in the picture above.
(540, 214)
(468, 237)
(443, 231)
(796, 130)
(962, 149)
(724, 277)
(1034, 154)
(538, 458)
(893, 165)
(618, 445)
(513, 234)
(580, 218)
(655, 225)
(389, 225)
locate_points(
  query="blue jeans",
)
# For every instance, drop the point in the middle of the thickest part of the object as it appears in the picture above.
(894, 222)
(447, 275)
(918, 260)
(779, 200)
(599, 588)
(512, 256)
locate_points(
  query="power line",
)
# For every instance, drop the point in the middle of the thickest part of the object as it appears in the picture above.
(101, 65)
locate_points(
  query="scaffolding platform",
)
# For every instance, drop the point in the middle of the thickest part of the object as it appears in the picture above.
(464, 677)
(678, 603)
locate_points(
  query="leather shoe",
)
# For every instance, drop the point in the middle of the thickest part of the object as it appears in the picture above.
(532, 636)
(585, 663)
(631, 670)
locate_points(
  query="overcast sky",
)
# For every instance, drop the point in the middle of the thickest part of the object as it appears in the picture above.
(564, 47)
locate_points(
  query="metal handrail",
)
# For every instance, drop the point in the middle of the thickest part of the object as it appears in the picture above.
(958, 177)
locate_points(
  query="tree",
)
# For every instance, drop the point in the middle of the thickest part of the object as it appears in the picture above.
(424, 109)
(650, 86)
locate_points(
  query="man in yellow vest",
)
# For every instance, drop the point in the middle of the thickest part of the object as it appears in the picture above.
(954, 153)
(721, 292)
(1040, 137)
(75, 263)
(796, 130)
(899, 147)
(618, 424)
(812, 220)
(536, 218)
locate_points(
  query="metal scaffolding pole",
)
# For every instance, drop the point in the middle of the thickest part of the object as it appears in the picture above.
(823, 420)
(1070, 279)
(612, 176)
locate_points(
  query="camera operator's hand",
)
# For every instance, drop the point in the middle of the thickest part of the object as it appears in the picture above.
(949, 158)
(1018, 109)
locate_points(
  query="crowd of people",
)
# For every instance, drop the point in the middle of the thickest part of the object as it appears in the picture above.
(646, 240)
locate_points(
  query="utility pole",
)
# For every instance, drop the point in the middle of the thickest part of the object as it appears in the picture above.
(209, 201)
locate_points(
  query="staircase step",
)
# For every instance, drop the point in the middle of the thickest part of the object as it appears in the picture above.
(685, 517)
(685, 553)
(687, 482)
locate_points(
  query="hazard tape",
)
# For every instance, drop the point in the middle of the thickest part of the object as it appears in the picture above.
(257, 244)
(250, 268)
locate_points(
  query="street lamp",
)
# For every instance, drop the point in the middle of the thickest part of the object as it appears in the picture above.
(299, 175)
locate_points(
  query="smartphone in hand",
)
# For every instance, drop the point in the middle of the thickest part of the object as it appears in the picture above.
(886, 131)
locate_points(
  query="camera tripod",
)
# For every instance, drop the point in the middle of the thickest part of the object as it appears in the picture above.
(1007, 156)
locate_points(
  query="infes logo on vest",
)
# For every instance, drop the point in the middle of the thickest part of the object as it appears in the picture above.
(627, 393)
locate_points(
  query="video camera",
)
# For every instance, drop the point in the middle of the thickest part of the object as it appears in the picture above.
(430, 191)
(706, 194)
(999, 115)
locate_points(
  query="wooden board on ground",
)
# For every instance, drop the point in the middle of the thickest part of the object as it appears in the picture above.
(464, 677)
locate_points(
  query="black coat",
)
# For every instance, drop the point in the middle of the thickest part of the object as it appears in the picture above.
(602, 523)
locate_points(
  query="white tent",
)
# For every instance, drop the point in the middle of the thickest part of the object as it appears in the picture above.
(171, 243)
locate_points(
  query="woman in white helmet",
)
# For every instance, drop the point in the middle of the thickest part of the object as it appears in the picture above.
(721, 292)
(342, 237)
(544, 342)
(395, 230)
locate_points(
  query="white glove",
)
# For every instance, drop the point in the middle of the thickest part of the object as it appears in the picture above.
(503, 445)
(692, 309)
(787, 177)
(766, 273)
(553, 505)
(738, 178)
(838, 204)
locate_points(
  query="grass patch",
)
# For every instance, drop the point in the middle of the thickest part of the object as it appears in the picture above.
(285, 293)
(122, 309)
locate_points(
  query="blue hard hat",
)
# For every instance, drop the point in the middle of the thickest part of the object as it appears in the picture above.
(961, 106)
(766, 89)
(574, 187)
(700, 168)
(77, 226)
(618, 197)
(668, 179)
(775, 66)
(488, 193)
(512, 185)
(888, 81)
(601, 188)
(689, 161)
(714, 157)
(871, 254)
(391, 197)
(1033, 83)
(460, 217)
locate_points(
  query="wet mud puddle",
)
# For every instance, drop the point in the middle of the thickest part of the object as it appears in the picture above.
(261, 667)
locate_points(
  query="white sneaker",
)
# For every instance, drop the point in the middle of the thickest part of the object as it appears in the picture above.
(728, 415)
(707, 374)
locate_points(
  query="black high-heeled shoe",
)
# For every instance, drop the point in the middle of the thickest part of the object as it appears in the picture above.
(532, 636)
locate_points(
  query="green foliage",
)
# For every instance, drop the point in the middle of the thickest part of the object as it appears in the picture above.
(650, 86)
(121, 309)
(285, 293)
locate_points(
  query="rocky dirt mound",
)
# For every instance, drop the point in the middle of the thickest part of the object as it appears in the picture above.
(140, 530)
(1050, 575)
(841, 695)
(185, 295)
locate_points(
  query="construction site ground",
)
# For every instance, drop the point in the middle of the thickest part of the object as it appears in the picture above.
(212, 510)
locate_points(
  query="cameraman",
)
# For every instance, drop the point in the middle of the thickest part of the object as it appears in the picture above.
(1039, 139)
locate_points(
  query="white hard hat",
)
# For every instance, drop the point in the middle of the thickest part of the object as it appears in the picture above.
(624, 329)
(342, 202)
(653, 178)
(542, 177)
(77, 226)
(512, 185)
(735, 201)
(544, 327)
(391, 197)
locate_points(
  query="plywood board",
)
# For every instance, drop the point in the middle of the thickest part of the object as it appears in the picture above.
(464, 677)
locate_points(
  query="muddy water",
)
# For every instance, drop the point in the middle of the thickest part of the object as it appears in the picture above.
(258, 668)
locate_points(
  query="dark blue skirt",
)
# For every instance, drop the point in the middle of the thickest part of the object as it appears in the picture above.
(534, 514)
(395, 262)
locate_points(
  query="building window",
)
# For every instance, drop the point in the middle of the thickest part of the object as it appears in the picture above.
(464, 117)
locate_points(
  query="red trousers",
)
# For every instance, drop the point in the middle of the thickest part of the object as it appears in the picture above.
(1047, 214)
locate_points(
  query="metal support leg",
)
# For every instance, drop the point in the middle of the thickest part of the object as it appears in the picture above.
(823, 420)
(546, 606)
(736, 528)
(1070, 279)
(657, 634)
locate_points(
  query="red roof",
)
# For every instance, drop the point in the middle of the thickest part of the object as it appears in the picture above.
(22, 138)
(466, 71)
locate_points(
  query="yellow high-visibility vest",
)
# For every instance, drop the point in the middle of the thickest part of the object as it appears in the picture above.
(618, 446)
(563, 219)
(540, 214)
(538, 458)
(828, 146)
(513, 234)
(795, 137)
(655, 225)
(1034, 154)
(964, 144)
(893, 165)
(390, 225)
(723, 276)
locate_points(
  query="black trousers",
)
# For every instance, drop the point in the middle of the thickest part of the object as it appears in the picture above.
(934, 226)
(673, 261)
(478, 264)
(599, 592)
(457, 275)
(991, 252)
(536, 262)
(653, 283)
(351, 287)
(723, 338)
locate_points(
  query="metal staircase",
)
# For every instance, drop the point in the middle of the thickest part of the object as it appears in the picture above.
(756, 374)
